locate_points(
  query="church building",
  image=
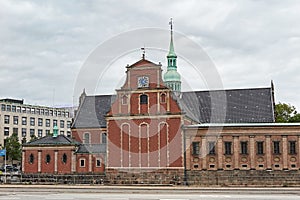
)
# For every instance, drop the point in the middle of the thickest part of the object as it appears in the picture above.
(152, 132)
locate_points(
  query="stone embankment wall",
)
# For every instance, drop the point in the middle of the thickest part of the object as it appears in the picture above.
(171, 177)
(244, 178)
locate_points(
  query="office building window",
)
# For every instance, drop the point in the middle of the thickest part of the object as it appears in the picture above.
(292, 149)
(62, 132)
(24, 120)
(276, 147)
(18, 109)
(211, 148)
(54, 122)
(40, 132)
(58, 113)
(6, 131)
(32, 110)
(69, 133)
(15, 131)
(24, 132)
(196, 148)
(3, 107)
(228, 148)
(68, 124)
(6, 119)
(8, 108)
(67, 114)
(16, 120)
(46, 112)
(47, 132)
(13, 108)
(40, 121)
(42, 111)
(51, 112)
(23, 110)
(260, 148)
(32, 121)
(244, 147)
(47, 122)
(32, 133)
(62, 124)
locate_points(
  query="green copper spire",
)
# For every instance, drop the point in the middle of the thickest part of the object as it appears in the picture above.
(172, 77)
(171, 49)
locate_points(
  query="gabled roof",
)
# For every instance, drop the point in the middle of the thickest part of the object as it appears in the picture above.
(253, 105)
(143, 62)
(50, 140)
(91, 113)
(91, 148)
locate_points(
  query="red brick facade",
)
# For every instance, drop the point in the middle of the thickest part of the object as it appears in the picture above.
(144, 123)
(52, 160)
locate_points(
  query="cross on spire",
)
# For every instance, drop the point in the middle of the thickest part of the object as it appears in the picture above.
(171, 24)
(143, 52)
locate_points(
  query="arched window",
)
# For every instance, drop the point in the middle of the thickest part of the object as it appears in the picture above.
(64, 158)
(124, 100)
(163, 98)
(143, 99)
(48, 158)
(103, 135)
(31, 158)
(86, 138)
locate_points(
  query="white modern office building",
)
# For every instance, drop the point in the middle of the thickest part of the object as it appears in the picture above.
(30, 121)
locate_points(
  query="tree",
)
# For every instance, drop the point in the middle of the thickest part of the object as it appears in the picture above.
(285, 113)
(13, 147)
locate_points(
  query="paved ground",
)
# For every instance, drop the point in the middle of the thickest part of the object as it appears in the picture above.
(63, 192)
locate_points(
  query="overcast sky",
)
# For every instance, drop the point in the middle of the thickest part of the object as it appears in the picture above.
(45, 44)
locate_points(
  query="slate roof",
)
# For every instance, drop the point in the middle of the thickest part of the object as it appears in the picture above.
(91, 148)
(91, 113)
(50, 140)
(254, 105)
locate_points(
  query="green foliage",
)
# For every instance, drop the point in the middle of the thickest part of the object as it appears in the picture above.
(13, 147)
(285, 113)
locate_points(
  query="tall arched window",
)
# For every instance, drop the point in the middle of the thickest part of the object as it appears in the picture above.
(64, 158)
(143, 99)
(31, 158)
(86, 138)
(48, 158)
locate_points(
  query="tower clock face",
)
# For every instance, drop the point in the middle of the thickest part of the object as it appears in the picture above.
(143, 81)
